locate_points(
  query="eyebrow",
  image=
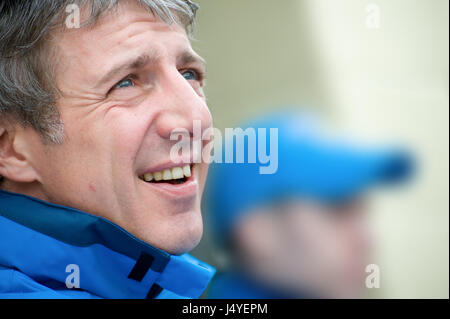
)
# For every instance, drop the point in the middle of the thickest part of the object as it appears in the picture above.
(137, 63)
(187, 57)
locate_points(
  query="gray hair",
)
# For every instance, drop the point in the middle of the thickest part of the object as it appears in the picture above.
(27, 90)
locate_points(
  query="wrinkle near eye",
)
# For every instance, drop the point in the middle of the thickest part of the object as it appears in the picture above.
(81, 95)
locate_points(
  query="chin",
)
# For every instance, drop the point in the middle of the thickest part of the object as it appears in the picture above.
(185, 240)
(176, 235)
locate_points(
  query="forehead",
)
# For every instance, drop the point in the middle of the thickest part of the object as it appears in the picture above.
(127, 30)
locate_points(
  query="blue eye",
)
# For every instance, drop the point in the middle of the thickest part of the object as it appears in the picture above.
(190, 75)
(124, 84)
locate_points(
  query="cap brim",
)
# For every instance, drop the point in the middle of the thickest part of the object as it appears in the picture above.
(339, 173)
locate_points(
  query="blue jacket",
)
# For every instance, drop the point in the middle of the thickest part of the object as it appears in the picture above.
(43, 246)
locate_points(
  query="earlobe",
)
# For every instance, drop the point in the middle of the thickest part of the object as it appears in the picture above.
(14, 160)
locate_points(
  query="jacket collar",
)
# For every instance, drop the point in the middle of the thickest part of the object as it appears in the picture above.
(43, 240)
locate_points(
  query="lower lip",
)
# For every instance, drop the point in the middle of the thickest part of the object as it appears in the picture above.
(187, 189)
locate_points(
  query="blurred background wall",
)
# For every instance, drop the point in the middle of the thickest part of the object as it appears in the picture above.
(377, 71)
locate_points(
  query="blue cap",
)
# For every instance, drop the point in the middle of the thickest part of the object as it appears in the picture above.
(310, 166)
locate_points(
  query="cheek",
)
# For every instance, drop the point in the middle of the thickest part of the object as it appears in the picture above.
(95, 147)
(203, 174)
(75, 177)
(316, 239)
(127, 131)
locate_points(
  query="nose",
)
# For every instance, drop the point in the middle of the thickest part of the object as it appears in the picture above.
(183, 109)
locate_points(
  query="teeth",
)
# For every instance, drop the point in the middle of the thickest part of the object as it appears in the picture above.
(157, 176)
(187, 171)
(177, 173)
(168, 174)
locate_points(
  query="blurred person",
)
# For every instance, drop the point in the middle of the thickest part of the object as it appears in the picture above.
(91, 203)
(303, 231)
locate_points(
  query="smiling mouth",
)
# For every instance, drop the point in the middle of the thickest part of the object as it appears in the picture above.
(174, 176)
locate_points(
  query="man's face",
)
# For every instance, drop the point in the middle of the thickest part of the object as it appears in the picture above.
(309, 247)
(127, 82)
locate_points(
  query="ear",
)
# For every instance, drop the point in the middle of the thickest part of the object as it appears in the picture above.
(15, 163)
